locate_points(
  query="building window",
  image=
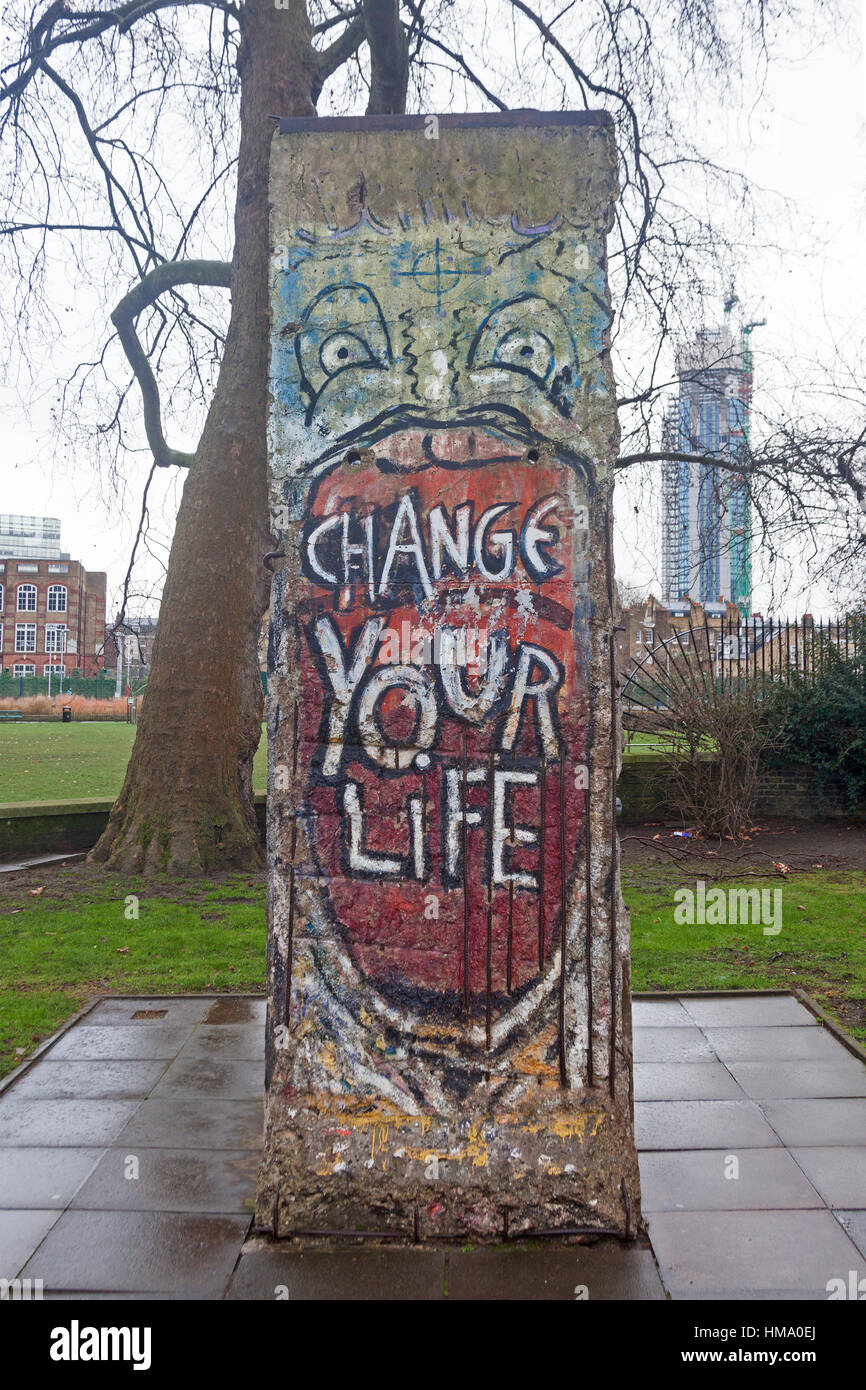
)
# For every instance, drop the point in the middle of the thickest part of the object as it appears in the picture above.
(58, 569)
(1, 598)
(25, 637)
(55, 638)
(26, 598)
(56, 598)
(52, 670)
(28, 569)
(23, 669)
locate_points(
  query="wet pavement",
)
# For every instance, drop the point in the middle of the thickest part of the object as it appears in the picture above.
(129, 1149)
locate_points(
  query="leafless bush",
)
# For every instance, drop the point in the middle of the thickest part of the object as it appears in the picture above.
(713, 754)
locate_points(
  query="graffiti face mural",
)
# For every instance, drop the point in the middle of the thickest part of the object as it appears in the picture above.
(443, 638)
(438, 379)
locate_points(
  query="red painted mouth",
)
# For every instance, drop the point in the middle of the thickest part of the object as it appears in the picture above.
(444, 866)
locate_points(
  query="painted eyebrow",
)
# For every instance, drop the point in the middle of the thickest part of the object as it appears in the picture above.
(527, 246)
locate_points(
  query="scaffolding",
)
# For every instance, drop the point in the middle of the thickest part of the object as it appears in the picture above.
(706, 549)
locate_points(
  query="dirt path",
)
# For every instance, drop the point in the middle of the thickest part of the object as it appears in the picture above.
(799, 845)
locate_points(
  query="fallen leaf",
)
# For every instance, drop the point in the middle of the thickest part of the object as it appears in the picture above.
(122, 950)
(35, 892)
(783, 868)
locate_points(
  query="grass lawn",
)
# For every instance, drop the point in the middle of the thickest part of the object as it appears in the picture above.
(72, 940)
(59, 762)
(821, 946)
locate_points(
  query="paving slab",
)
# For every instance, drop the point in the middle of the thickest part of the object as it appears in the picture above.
(241, 1042)
(117, 1296)
(232, 1009)
(838, 1173)
(593, 1272)
(62, 1123)
(757, 1010)
(121, 1042)
(671, 1045)
(149, 1013)
(765, 1254)
(171, 1180)
(194, 1124)
(43, 1177)
(684, 1081)
(138, 1252)
(659, 1013)
(21, 1232)
(774, 1080)
(817, 1122)
(201, 1078)
(176, 1084)
(702, 1124)
(14, 866)
(775, 1044)
(708, 1180)
(92, 1080)
(853, 1224)
(269, 1272)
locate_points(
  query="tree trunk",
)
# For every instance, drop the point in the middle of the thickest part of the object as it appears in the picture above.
(187, 803)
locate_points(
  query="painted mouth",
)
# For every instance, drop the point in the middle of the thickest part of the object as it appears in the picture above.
(419, 438)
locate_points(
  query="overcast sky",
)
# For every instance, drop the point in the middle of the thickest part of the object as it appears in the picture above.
(806, 139)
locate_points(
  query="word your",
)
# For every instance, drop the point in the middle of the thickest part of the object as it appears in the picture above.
(76, 1343)
(358, 688)
(739, 906)
(342, 548)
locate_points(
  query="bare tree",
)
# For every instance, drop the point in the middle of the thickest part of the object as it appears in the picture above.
(95, 101)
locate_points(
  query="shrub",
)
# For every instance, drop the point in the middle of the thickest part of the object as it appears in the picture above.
(819, 719)
(713, 750)
(41, 707)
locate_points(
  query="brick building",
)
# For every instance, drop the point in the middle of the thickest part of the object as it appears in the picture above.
(139, 636)
(52, 615)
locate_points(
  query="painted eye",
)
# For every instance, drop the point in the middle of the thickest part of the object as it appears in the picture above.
(342, 328)
(346, 350)
(529, 336)
(525, 350)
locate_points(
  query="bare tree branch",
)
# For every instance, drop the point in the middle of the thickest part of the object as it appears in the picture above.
(338, 53)
(164, 277)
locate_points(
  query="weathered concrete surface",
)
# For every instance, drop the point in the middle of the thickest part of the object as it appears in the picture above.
(449, 1034)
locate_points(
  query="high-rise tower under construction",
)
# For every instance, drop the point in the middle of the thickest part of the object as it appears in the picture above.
(706, 550)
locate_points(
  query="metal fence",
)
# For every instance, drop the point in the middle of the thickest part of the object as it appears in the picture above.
(725, 653)
(99, 687)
